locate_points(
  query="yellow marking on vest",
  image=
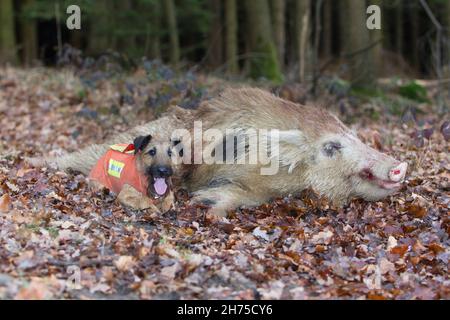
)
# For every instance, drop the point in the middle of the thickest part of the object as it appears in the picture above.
(115, 168)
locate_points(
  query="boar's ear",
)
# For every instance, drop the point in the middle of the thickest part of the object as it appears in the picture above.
(291, 136)
(141, 142)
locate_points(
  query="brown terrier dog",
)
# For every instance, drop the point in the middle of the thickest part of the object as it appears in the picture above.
(140, 173)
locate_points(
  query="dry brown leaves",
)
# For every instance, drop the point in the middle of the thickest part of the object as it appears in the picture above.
(60, 240)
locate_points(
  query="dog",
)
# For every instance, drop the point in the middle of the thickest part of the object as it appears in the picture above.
(140, 173)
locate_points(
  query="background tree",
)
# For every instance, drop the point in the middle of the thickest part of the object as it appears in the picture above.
(399, 24)
(356, 42)
(263, 60)
(278, 16)
(376, 39)
(303, 36)
(100, 19)
(29, 33)
(8, 47)
(215, 50)
(153, 28)
(231, 44)
(171, 20)
(327, 33)
(273, 35)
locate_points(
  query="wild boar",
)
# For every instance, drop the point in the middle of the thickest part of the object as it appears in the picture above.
(316, 150)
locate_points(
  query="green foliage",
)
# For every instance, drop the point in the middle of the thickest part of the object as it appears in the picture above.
(414, 91)
(339, 87)
(265, 63)
(367, 92)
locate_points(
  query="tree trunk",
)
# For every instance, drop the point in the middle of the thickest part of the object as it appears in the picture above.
(99, 38)
(446, 22)
(415, 27)
(356, 42)
(125, 42)
(278, 14)
(399, 27)
(8, 49)
(303, 35)
(155, 42)
(327, 36)
(231, 36)
(171, 20)
(29, 35)
(376, 36)
(215, 52)
(263, 59)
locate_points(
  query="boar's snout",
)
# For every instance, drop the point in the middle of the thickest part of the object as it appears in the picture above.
(398, 173)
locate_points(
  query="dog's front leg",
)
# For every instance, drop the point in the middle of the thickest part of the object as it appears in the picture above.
(168, 202)
(130, 197)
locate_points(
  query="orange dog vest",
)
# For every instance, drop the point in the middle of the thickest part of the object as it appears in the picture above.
(117, 167)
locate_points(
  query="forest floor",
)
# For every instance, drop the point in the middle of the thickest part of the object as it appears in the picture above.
(59, 239)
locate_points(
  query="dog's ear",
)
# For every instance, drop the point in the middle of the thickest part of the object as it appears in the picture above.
(141, 142)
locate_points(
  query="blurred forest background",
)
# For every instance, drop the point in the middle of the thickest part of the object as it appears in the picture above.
(278, 40)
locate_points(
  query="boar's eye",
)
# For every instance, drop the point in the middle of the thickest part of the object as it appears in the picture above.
(330, 148)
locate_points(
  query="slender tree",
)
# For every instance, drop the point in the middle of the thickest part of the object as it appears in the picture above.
(278, 16)
(399, 23)
(231, 36)
(171, 19)
(376, 38)
(263, 59)
(8, 49)
(216, 41)
(446, 25)
(356, 42)
(29, 34)
(415, 27)
(327, 32)
(155, 30)
(303, 35)
(100, 39)
(126, 39)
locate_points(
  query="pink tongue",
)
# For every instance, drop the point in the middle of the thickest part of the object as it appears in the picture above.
(160, 186)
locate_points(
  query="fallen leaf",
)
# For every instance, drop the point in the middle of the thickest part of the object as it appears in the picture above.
(5, 203)
(124, 263)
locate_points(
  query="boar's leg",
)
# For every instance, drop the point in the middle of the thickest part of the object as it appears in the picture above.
(224, 198)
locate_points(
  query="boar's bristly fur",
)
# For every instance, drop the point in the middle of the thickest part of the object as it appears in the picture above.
(316, 151)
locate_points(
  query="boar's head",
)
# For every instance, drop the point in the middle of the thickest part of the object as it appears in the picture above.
(340, 166)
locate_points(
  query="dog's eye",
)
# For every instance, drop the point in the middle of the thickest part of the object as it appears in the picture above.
(152, 152)
(169, 152)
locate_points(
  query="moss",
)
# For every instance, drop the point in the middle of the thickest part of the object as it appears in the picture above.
(265, 63)
(366, 92)
(414, 91)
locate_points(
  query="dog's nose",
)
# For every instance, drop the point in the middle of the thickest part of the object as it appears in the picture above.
(164, 171)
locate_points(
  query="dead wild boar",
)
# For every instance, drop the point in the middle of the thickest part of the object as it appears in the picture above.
(316, 150)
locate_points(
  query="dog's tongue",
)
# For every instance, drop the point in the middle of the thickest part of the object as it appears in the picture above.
(160, 186)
